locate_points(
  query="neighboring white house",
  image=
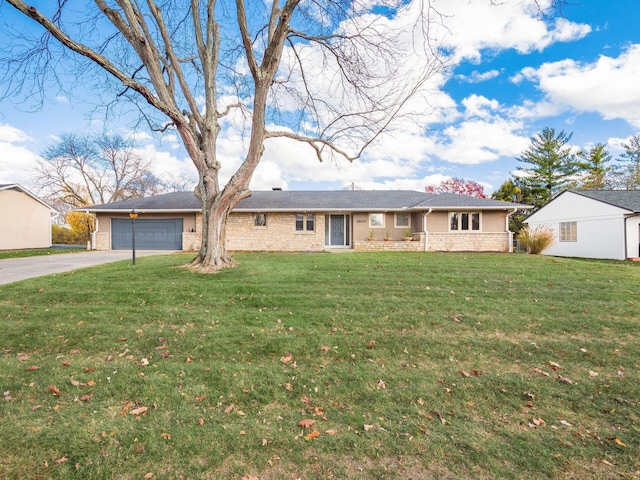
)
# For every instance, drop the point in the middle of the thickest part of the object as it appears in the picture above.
(593, 223)
(25, 219)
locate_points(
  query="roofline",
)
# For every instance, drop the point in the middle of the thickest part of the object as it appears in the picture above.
(578, 192)
(26, 191)
(317, 210)
(139, 210)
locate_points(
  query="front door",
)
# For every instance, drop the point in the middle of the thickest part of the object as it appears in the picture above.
(337, 230)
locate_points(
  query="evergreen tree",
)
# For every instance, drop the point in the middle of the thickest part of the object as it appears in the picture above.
(595, 165)
(630, 171)
(552, 164)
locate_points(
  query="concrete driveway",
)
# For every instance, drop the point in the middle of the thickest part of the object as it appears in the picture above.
(16, 269)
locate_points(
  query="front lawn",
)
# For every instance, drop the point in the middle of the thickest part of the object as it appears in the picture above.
(320, 366)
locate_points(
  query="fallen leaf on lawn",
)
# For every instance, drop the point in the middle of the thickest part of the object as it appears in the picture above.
(593, 374)
(607, 463)
(89, 369)
(229, 409)
(566, 380)
(325, 348)
(288, 386)
(138, 411)
(148, 475)
(32, 368)
(619, 442)
(305, 400)
(36, 408)
(464, 374)
(477, 373)
(250, 477)
(201, 421)
(166, 436)
(62, 460)
(144, 362)
(22, 357)
(75, 383)
(539, 371)
(331, 432)
(85, 398)
(200, 398)
(312, 435)
(380, 384)
(74, 352)
(368, 427)
(420, 402)
(53, 389)
(91, 383)
(8, 398)
(554, 365)
(109, 358)
(307, 422)
(265, 442)
(64, 363)
(287, 358)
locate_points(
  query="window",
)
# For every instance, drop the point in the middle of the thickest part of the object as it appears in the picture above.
(403, 220)
(305, 222)
(260, 220)
(568, 231)
(376, 220)
(465, 221)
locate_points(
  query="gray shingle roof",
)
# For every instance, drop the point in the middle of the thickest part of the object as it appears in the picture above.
(627, 199)
(337, 200)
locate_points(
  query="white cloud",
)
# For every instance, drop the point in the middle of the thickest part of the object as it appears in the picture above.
(477, 77)
(512, 24)
(16, 160)
(479, 106)
(479, 141)
(608, 86)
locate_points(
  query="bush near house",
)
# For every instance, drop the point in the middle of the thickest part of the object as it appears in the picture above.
(535, 240)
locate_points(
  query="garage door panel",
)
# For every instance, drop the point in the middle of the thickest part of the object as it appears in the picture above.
(151, 234)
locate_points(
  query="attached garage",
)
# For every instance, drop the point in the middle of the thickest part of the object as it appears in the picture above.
(151, 234)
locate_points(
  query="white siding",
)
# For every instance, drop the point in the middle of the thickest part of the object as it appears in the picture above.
(633, 236)
(601, 227)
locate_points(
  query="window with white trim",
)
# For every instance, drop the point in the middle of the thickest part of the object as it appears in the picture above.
(568, 231)
(403, 220)
(376, 220)
(305, 222)
(464, 221)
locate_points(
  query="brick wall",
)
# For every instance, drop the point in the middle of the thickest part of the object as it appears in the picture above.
(392, 246)
(279, 235)
(469, 242)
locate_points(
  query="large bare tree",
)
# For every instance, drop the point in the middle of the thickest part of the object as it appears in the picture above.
(330, 73)
(81, 170)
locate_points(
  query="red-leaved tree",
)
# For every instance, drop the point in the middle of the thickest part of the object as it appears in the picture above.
(459, 186)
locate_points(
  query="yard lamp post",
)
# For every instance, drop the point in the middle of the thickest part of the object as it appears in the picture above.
(133, 215)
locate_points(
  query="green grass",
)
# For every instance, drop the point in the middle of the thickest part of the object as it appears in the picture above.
(37, 252)
(417, 365)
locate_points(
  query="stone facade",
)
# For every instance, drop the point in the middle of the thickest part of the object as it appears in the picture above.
(469, 242)
(278, 235)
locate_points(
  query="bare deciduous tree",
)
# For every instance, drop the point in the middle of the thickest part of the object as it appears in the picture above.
(81, 170)
(331, 74)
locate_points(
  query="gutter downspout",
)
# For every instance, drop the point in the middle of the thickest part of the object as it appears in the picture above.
(506, 221)
(424, 227)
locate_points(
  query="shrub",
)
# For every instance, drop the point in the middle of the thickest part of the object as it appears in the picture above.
(536, 239)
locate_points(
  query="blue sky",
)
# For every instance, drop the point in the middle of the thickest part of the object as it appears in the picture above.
(510, 75)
